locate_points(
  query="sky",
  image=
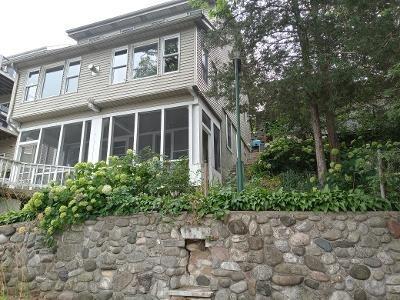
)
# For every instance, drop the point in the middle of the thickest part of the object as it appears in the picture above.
(26, 25)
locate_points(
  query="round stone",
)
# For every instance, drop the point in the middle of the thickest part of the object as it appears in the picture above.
(263, 288)
(238, 227)
(203, 280)
(323, 244)
(314, 263)
(360, 295)
(300, 239)
(262, 272)
(239, 287)
(288, 221)
(373, 262)
(311, 283)
(360, 272)
(287, 280)
(340, 295)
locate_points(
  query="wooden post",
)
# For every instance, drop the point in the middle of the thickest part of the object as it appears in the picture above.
(381, 176)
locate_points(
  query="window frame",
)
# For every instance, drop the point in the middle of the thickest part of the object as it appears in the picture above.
(141, 44)
(115, 50)
(163, 56)
(43, 81)
(229, 130)
(66, 71)
(32, 85)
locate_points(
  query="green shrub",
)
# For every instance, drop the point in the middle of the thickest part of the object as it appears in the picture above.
(286, 154)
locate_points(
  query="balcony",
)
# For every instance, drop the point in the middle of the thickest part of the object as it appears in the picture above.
(29, 176)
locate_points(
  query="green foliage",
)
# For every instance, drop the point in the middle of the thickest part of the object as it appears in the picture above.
(125, 185)
(284, 154)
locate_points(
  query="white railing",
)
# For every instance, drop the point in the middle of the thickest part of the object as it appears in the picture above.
(15, 174)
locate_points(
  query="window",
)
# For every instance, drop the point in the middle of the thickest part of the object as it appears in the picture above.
(104, 138)
(217, 151)
(71, 81)
(49, 145)
(29, 136)
(176, 136)
(86, 139)
(123, 134)
(149, 131)
(228, 133)
(145, 61)
(31, 85)
(52, 82)
(120, 60)
(171, 54)
(206, 119)
(71, 145)
(204, 65)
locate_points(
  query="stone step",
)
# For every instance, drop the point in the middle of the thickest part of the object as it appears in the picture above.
(188, 293)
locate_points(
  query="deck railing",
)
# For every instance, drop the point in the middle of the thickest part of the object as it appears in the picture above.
(15, 174)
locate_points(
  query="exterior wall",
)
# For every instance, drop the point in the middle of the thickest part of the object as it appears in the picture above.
(219, 56)
(249, 255)
(99, 87)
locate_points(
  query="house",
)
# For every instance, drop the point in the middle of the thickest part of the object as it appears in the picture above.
(130, 82)
(8, 134)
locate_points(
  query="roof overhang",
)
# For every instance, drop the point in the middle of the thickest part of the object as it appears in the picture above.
(149, 14)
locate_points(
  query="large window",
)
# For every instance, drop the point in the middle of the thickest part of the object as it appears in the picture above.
(170, 54)
(31, 85)
(204, 65)
(28, 144)
(217, 148)
(228, 133)
(49, 145)
(149, 135)
(119, 67)
(52, 82)
(123, 134)
(86, 139)
(176, 136)
(145, 62)
(71, 145)
(71, 81)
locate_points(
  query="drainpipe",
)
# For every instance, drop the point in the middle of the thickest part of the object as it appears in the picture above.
(13, 97)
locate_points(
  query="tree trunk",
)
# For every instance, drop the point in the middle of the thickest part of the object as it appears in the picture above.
(332, 134)
(319, 145)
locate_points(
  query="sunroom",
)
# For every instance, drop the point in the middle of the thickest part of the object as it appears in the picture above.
(176, 131)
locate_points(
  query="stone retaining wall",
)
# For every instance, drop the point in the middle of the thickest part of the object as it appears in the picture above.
(249, 255)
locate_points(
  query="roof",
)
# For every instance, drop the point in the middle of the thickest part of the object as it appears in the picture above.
(127, 20)
(118, 30)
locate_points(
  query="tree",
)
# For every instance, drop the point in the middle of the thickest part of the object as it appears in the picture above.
(308, 59)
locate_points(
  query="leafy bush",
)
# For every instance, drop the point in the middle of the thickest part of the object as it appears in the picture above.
(286, 154)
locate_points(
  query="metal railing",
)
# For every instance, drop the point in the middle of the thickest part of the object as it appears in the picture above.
(15, 174)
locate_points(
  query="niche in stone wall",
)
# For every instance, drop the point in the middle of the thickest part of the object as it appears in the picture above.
(199, 265)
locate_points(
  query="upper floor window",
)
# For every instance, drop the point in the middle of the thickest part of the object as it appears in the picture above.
(119, 66)
(145, 60)
(171, 54)
(204, 65)
(72, 77)
(31, 85)
(52, 82)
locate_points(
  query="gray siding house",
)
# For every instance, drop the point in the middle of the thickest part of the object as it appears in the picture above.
(8, 134)
(134, 81)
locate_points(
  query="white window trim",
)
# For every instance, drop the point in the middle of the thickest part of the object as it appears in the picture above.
(228, 129)
(140, 44)
(163, 39)
(28, 86)
(112, 65)
(66, 70)
(44, 80)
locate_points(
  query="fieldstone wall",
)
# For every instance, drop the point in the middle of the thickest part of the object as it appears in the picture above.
(249, 255)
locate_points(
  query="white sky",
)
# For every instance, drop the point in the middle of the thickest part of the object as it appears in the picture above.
(31, 24)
